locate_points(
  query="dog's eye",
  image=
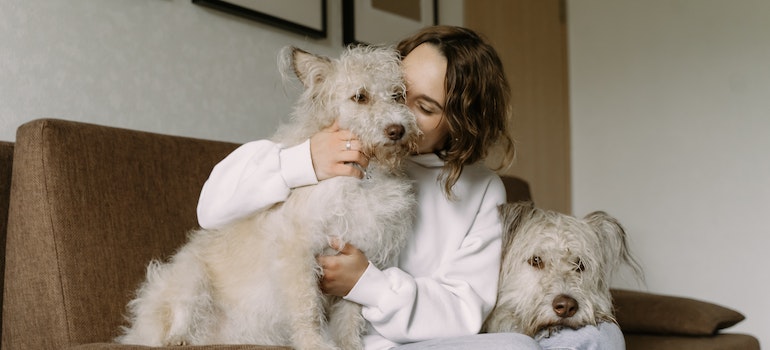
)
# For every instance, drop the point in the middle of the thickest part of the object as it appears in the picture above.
(360, 97)
(579, 267)
(536, 262)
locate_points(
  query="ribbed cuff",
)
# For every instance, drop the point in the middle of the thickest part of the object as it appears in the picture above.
(369, 287)
(297, 165)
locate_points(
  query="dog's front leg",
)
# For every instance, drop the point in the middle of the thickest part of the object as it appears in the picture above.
(305, 306)
(502, 320)
(346, 324)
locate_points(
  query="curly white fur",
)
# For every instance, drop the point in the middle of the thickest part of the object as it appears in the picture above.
(556, 270)
(256, 280)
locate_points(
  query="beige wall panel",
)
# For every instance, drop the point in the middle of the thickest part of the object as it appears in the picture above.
(530, 36)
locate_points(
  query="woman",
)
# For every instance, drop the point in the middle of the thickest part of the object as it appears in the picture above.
(446, 280)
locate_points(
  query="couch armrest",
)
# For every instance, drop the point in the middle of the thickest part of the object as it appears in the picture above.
(640, 312)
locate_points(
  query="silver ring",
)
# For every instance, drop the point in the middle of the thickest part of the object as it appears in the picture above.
(347, 145)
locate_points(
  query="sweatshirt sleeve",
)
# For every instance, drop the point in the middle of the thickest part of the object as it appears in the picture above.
(454, 300)
(256, 175)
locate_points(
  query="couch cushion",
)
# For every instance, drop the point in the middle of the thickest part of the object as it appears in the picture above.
(90, 206)
(640, 312)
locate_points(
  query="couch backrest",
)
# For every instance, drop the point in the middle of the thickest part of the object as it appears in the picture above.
(90, 206)
(516, 189)
(6, 164)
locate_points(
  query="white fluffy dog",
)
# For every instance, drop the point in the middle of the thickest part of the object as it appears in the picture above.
(256, 281)
(556, 270)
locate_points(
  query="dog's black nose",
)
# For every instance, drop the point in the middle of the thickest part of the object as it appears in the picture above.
(395, 131)
(565, 306)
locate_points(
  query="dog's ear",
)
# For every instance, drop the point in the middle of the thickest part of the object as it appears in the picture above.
(310, 69)
(512, 215)
(614, 240)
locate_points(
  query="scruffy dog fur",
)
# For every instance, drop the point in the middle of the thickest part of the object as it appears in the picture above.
(556, 270)
(256, 280)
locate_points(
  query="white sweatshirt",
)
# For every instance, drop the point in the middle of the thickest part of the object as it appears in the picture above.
(446, 280)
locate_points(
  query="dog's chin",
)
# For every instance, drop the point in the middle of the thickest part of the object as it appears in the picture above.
(547, 329)
(391, 155)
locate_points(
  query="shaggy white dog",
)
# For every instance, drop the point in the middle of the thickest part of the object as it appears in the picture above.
(556, 270)
(256, 280)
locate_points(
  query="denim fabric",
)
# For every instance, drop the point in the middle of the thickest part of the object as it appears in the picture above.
(605, 336)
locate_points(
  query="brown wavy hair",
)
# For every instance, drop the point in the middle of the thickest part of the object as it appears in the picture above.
(477, 98)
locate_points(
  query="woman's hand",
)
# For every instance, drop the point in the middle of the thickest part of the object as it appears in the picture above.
(332, 151)
(341, 272)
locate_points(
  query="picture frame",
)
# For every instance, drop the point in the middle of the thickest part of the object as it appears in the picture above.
(281, 14)
(370, 22)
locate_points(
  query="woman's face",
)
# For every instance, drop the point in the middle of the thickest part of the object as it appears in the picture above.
(424, 72)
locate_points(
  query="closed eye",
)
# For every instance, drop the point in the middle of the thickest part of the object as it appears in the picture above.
(427, 109)
(425, 104)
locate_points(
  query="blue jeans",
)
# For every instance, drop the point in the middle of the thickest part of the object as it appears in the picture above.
(605, 336)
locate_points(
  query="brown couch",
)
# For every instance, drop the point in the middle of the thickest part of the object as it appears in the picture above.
(87, 206)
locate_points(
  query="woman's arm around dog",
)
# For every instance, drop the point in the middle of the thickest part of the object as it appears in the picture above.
(261, 173)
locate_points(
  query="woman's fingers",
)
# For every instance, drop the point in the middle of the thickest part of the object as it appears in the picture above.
(337, 152)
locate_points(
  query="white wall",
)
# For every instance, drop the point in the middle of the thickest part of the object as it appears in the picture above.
(165, 66)
(158, 65)
(670, 120)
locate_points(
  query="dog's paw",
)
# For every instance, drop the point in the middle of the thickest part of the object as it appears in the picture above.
(547, 332)
(176, 341)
